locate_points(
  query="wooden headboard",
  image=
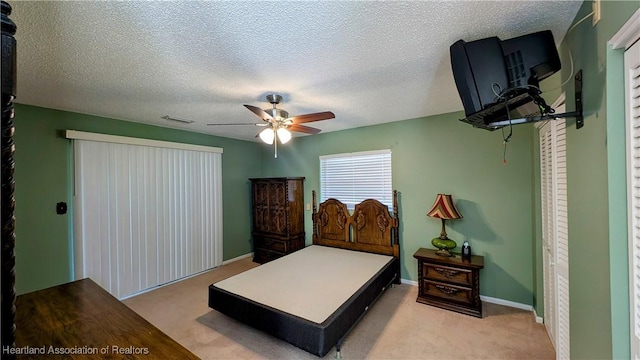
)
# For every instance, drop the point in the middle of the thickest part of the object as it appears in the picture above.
(371, 228)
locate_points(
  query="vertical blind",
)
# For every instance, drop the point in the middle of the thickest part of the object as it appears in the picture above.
(145, 215)
(354, 177)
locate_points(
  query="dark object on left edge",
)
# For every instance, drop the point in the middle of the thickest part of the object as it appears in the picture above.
(8, 309)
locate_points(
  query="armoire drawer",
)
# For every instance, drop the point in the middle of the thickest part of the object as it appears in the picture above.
(262, 256)
(271, 244)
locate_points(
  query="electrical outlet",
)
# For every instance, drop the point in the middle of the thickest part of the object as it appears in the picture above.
(595, 6)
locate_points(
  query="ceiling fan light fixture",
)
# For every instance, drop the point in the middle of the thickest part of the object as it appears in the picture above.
(284, 135)
(279, 125)
(267, 135)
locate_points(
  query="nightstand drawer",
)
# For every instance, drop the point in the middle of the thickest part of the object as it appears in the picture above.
(447, 274)
(450, 292)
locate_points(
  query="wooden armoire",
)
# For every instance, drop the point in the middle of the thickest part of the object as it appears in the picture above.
(278, 217)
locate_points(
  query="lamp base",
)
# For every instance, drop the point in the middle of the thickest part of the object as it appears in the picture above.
(443, 252)
(443, 246)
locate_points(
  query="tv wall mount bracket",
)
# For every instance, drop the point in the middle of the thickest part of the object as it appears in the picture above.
(498, 111)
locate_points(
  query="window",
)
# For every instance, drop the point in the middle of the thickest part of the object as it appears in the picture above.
(354, 177)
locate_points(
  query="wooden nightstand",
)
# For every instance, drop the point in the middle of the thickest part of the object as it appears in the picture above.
(449, 282)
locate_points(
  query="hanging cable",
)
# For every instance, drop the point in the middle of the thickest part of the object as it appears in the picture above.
(570, 55)
(508, 137)
(568, 79)
(579, 21)
(501, 96)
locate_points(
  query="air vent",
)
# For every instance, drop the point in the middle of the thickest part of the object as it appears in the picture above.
(167, 117)
(515, 69)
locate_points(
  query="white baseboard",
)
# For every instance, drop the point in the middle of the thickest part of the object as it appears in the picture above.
(492, 300)
(237, 258)
(512, 304)
(186, 277)
(165, 284)
(409, 282)
(539, 320)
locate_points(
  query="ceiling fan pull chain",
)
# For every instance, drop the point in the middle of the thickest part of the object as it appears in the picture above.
(275, 143)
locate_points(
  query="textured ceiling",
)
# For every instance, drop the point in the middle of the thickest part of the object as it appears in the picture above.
(368, 62)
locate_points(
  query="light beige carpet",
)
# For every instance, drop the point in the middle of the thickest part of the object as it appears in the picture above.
(395, 327)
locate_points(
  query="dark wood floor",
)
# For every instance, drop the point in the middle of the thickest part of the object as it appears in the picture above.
(81, 320)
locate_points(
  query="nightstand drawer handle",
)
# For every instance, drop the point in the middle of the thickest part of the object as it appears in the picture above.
(447, 290)
(446, 272)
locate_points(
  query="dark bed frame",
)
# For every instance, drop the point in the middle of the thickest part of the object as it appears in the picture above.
(372, 229)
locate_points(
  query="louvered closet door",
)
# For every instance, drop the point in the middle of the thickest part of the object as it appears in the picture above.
(562, 238)
(632, 94)
(555, 237)
(548, 251)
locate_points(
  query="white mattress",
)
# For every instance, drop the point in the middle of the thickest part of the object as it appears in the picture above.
(310, 283)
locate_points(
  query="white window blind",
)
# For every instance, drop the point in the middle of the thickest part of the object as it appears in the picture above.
(145, 215)
(632, 96)
(354, 177)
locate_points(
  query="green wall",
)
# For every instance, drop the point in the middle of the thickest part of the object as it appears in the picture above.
(440, 154)
(44, 254)
(598, 281)
(430, 155)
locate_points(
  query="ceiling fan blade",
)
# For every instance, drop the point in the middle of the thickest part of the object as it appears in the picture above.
(303, 129)
(258, 124)
(261, 113)
(300, 119)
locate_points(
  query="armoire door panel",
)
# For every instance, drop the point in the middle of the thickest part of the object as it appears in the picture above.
(278, 224)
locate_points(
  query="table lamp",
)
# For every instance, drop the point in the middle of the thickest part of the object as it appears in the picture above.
(444, 209)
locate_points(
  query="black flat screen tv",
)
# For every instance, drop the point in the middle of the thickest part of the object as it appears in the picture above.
(490, 71)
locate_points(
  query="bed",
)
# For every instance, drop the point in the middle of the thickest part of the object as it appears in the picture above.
(313, 297)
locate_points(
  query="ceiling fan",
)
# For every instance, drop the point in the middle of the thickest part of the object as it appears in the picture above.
(278, 123)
